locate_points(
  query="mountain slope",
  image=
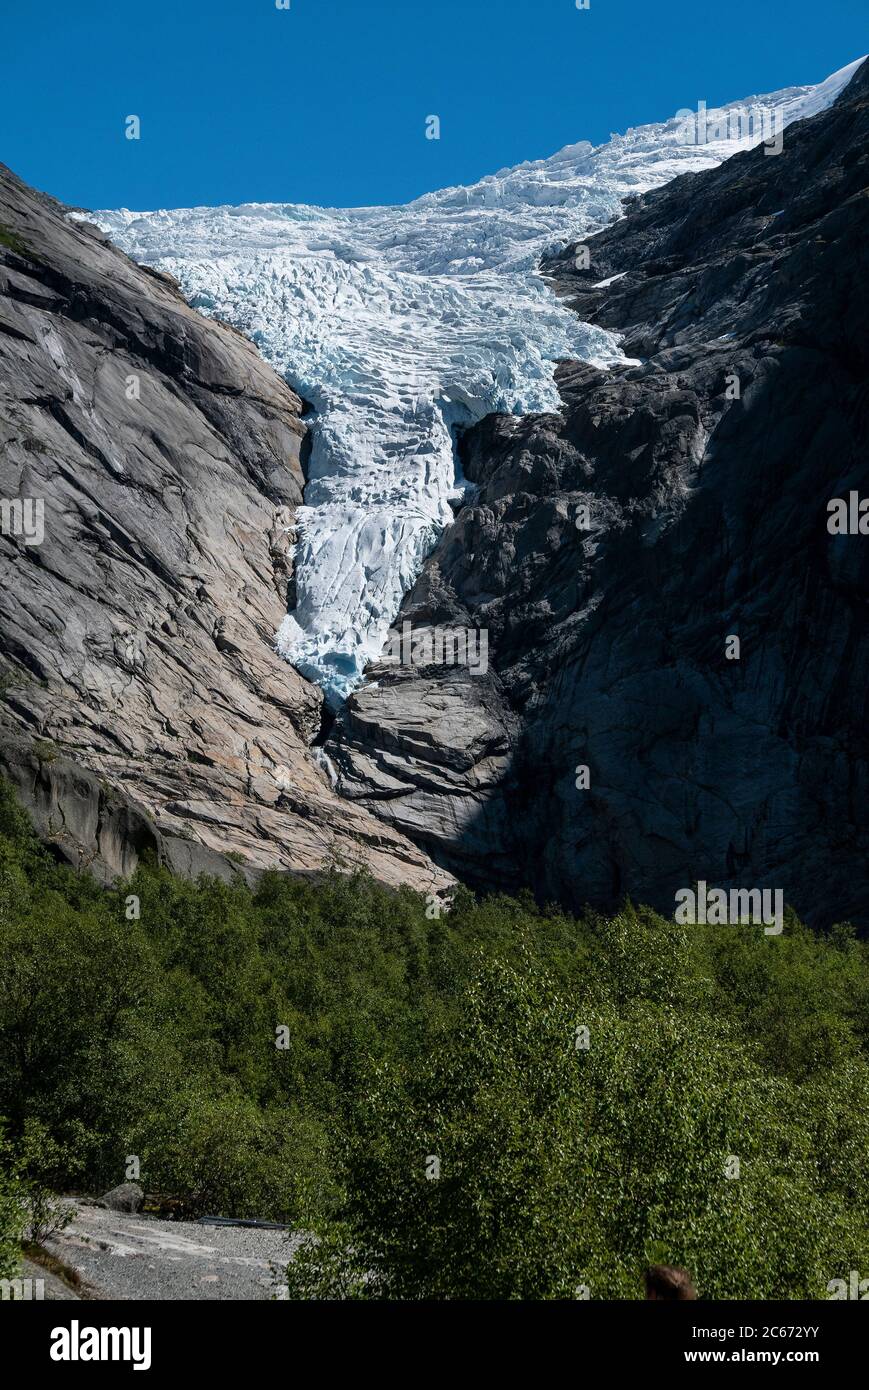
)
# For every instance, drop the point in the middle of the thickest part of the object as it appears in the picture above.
(707, 470)
(400, 323)
(144, 706)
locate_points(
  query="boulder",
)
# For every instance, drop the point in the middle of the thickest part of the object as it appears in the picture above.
(128, 1196)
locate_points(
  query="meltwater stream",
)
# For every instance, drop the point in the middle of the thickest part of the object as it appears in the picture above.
(398, 323)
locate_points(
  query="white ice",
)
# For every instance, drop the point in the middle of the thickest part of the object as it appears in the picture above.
(399, 323)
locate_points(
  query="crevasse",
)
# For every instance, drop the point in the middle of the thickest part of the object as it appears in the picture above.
(399, 323)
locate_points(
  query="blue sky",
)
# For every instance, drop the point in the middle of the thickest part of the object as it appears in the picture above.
(327, 102)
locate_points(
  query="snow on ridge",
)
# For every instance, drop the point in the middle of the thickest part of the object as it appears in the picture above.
(398, 323)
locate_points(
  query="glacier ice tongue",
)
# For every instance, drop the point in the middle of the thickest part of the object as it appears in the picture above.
(398, 324)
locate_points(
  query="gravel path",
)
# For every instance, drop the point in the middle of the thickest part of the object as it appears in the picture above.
(124, 1256)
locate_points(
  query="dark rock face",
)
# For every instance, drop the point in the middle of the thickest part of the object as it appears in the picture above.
(706, 471)
(143, 704)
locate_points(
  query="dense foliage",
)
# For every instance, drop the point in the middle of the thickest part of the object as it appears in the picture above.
(502, 1102)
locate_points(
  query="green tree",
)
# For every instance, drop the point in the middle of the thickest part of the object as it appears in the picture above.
(564, 1168)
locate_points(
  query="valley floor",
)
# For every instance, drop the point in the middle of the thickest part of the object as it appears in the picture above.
(121, 1255)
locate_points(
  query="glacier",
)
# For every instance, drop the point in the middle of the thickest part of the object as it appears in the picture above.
(399, 324)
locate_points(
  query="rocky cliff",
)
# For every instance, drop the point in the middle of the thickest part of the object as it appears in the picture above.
(150, 463)
(613, 553)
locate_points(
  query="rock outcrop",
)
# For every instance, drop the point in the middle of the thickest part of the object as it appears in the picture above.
(613, 552)
(126, 1197)
(150, 463)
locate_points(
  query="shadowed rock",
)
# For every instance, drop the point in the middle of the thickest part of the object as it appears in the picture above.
(706, 471)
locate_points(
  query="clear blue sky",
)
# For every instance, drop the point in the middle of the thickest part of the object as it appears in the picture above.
(326, 103)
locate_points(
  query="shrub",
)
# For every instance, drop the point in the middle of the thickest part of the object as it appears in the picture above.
(12, 1212)
(405, 1038)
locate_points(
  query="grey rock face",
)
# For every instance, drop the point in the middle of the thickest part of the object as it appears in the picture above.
(706, 471)
(428, 753)
(150, 464)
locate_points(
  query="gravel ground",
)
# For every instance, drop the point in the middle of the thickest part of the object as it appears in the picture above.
(140, 1257)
